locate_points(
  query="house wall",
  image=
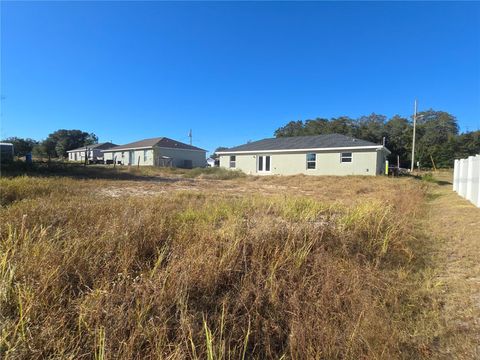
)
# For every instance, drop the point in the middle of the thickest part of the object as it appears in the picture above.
(381, 159)
(364, 162)
(6, 152)
(198, 158)
(80, 155)
(123, 157)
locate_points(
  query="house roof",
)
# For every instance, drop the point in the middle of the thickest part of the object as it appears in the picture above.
(100, 146)
(159, 141)
(326, 142)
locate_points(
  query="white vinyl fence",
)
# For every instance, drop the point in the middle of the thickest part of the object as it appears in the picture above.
(466, 178)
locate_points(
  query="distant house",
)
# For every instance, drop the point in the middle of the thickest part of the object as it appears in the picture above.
(6, 152)
(94, 152)
(160, 151)
(331, 154)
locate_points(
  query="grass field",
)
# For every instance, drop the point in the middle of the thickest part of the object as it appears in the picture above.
(149, 263)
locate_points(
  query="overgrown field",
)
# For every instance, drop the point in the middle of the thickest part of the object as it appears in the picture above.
(215, 274)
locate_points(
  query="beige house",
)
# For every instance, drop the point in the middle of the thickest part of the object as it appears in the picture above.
(159, 151)
(330, 154)
(93, 152)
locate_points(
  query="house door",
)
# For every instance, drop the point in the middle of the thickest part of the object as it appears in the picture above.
(131, 157)
(263, 164)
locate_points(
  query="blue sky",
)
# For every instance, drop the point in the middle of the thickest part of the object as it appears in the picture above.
(231, 71)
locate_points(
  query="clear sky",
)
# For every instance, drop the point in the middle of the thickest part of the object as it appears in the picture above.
(231, 71)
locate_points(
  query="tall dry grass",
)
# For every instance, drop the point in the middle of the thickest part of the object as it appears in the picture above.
(191, 275)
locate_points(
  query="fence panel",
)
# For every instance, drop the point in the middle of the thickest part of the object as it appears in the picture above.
(466, 178)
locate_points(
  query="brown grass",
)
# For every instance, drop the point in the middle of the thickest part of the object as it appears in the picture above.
(235, 269)
(454, 223)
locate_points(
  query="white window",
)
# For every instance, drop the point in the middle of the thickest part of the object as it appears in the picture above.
(233, 161)
(346, 157)
(311, 161)
(263, 163)
(145, 155)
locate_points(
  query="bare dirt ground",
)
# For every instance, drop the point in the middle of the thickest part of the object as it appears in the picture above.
(455, 222)
(348, 191)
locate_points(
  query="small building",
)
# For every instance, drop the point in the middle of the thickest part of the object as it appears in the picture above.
(94, 152)
(329, 154)
(160, 151)
(6, 152)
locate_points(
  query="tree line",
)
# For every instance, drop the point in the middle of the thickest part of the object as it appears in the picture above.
(55, 145)
(438, 140)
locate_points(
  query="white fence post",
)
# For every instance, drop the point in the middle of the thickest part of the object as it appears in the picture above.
(478, 186)
(456, 168)
(475, 186)
(462, 178)
(466, 178)
(469, 179)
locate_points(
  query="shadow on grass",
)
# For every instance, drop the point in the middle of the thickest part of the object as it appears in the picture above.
(428, 177)
(443, 182)
(79, 171)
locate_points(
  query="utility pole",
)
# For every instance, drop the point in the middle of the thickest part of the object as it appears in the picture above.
(413, 141)
(190, 136)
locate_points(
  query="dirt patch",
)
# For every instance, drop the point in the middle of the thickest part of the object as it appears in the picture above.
(350, 190)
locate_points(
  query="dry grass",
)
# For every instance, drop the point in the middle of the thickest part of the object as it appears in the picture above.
(454, 222)
(242, 268)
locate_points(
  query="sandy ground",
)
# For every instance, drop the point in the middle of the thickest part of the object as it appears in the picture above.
(455, 222)
(349, 190)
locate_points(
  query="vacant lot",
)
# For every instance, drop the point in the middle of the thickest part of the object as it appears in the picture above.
(177, 264)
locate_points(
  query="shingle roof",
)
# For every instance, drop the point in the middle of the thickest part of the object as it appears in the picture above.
(101, 146)
(302, 142)
(159, 141)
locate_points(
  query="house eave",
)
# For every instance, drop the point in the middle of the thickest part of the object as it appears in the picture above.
(131, 148)
(375, 147)
(80, 150)
(173, 148)
(151, 147)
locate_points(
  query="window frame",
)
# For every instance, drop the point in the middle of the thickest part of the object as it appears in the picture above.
(311, 161)
(344, 156)
(145, 153)
(264, 164)
(232, 164)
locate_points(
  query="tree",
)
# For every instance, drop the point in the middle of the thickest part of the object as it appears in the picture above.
(343, 125)
(467, 144)
(317, 126)
(398, 132)
(21, 147)
(436, 132)
(46, 148)
(220, 148)
(293, 128)
(59, 142)
(372, 128)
